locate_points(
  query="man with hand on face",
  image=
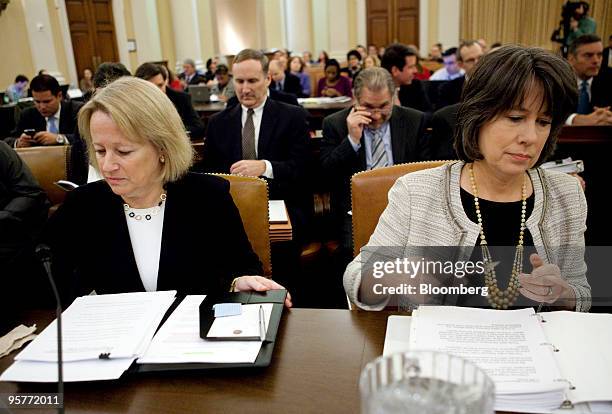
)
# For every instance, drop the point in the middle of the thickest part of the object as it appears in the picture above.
(585, 56)
(51, 121)
(373, 133)
(261, 137)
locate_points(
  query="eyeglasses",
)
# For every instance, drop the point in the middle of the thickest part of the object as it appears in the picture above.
(386, 110)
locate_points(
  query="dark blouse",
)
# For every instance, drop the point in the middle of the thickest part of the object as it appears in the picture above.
(501, 223)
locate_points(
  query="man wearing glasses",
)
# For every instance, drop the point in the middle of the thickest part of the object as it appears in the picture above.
(373, 133)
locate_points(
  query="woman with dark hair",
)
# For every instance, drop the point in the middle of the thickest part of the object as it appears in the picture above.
(334, 84)
(513, 106)
(323, 58)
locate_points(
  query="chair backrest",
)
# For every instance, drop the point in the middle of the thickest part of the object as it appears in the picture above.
(250, 195)
(48, 165)
(369, 191)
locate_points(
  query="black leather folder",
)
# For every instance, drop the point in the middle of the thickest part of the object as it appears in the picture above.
(276, 297)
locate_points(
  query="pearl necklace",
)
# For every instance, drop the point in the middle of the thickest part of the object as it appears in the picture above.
(150, 212)
(498, 298)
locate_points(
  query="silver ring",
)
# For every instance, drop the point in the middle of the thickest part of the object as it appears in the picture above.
(549, 291)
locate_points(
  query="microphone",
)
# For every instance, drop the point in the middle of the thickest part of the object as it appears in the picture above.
(43, 253)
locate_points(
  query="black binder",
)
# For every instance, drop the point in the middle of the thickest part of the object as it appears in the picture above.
(276, 297)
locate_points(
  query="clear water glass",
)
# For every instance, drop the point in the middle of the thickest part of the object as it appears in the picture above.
(425, 382)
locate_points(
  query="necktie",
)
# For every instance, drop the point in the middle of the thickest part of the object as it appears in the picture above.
(584, 106)
(379, 155)
(248, 138)
(52, 125)
(279, 86)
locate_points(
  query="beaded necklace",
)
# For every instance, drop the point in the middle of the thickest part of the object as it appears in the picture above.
(501, 298)
(149, 213)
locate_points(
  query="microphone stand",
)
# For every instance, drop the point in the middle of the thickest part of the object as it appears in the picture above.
(44, 254)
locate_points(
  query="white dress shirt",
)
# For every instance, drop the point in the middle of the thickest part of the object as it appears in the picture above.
(443, 75)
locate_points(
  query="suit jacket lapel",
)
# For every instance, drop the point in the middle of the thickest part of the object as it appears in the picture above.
(398, 127)
(170, 232)
(234, 133)
(266, 128)
(65, 123)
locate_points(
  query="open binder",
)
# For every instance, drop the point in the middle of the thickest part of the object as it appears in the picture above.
(264, 357)
(567, 353)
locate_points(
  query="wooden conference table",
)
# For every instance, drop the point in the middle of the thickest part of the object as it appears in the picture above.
(316, 365)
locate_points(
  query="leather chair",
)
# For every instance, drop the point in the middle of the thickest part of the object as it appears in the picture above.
(250, 195)
(369, 191)
(48, 165)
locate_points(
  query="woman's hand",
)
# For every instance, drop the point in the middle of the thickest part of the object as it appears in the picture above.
(259, 284)
(545, 284)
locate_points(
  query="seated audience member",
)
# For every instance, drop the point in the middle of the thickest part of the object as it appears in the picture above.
(108, 72)
(284, 81)
(23, 212)
(307, 58)
(323, 58)
(182, 102)
(225, 85)
(381, 52)
(353, 59)
(18, 90)
(296, 66)
(422, 72)
(507, 132)
(190, 76)
(261, 137)
(211, 69)
(451, 69)
(594, 92)
(154, 221)
(371, 61)
(373, 133)
(372, 50)
(334, 84)
(86, 82)
(52, 119)
(606, 62)
(173, 81)
(435, 53)
(400, 61)
(468, 54)
(361, 49)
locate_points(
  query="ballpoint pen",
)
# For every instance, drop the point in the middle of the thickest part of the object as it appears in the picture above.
(262, 323)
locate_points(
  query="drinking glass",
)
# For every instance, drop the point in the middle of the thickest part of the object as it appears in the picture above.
(425, 382)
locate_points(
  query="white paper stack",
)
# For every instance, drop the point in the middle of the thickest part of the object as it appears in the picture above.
(117, 328)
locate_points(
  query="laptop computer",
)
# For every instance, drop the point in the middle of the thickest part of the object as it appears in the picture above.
(199, 94)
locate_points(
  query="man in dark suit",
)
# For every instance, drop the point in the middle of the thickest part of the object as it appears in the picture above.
(190, 75)
(468, 54)
(182, 101)
(443, 124)
(594, 98)
(400, 61)
(261, 137)
(284, 81)
(374, 133)
(52, 120)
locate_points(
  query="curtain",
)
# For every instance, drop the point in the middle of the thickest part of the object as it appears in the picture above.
(527, 22)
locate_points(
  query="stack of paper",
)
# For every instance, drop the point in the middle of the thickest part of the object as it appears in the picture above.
(279, 218)
(178, 340)
(531, 363)
(101, 337)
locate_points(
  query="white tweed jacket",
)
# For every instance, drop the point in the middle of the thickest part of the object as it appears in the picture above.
(425, 210)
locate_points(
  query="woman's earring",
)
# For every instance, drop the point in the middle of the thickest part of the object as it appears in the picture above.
(162, 159)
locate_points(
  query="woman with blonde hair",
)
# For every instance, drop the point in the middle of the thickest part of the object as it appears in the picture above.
(371, 61)
(149, 224)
